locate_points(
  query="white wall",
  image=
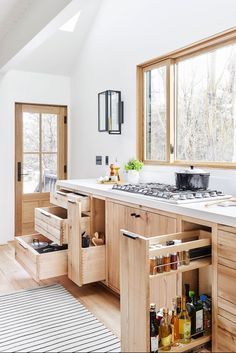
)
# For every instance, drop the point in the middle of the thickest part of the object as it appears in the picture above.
(126, 33)
(25, 87)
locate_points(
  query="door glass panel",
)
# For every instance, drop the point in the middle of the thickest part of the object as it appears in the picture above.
(31, 181)
(49, 171)
(30, 132)
(49, 133)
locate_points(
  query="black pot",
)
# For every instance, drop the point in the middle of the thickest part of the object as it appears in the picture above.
(192, 179)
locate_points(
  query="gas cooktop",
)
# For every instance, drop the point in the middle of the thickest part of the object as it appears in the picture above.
(169, 193)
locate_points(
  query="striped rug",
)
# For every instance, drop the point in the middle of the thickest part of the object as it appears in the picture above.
(50, 319)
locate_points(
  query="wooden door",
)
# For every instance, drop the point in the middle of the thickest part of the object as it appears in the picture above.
(116, 216)
(40, 159)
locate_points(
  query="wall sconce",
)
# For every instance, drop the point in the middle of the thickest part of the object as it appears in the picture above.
(110, 112)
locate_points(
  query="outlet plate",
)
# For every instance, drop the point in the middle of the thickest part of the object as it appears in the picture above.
(98, 160)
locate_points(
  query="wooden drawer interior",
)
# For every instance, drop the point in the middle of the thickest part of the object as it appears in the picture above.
(50, 221)
(61, 198)
(40, 266)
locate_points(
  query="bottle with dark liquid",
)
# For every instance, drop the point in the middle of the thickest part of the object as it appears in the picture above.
(197, 318)
(154, 330)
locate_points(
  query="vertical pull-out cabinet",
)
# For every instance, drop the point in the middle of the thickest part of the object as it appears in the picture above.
(136, 283)
(85, 265)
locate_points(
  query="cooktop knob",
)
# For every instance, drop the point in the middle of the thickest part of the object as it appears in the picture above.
(198, 195)
(206, 194)
(190, 196)
(182, 197)
(213, 193)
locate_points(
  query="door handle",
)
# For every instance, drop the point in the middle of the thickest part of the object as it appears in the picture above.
(19, 174)
(133, 214)
(137, 216)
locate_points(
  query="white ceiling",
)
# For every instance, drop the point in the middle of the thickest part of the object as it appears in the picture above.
(11, 11)
(58, 51)
(58, 54)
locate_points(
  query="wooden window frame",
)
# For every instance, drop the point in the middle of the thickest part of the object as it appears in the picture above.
(169, 60)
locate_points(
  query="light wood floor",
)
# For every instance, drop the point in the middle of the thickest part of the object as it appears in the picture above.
(100, 301)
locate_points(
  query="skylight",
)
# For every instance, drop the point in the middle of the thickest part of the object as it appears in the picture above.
(70, 25)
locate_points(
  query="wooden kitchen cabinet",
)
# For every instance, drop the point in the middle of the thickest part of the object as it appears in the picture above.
(116, 219)
(226, 279)
(137, 221)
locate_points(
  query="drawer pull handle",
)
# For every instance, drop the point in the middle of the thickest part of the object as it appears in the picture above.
(137, 216)
(62, 193)
(133, 214)
(45, 214)
(130, 235)
(71, 201)
(23, 246)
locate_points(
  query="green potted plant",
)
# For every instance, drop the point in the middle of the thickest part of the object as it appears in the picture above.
(132, 168)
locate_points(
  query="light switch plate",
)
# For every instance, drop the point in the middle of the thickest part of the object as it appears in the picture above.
(98, 160)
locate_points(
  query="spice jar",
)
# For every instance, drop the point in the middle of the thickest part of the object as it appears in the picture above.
(186, 258)
(167, 263)
(153, 264)
(160, 262)
(179, 253)
(174, 261)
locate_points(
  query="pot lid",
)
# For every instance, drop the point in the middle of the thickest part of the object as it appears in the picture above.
(192, 170)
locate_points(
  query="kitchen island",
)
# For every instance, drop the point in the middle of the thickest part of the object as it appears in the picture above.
(146, 216)
(122, 263)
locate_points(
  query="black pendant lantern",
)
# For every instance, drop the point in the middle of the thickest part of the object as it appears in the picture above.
(110, 112)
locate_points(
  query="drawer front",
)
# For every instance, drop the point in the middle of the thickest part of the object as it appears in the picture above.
(93, 264)
(26, 257)
(61, 197)
(50, 221)
(40, 266)
(226, 335)
(226, 283)
(227, 245)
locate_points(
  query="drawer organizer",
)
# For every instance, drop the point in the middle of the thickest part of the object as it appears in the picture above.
(85, 265)
(61, 197)
(40, 266)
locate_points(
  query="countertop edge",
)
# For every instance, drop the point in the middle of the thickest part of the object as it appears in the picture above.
(93, 188)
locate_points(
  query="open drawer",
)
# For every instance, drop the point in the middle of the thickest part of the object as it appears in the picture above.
(53, 223)
(85, 265)
(61, 197)
(40, 266)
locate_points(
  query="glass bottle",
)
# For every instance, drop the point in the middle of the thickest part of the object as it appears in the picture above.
(165, 331)
(175, 328)
(206, 315)
(154, 330)
(197, 318)
(178, 305)
(184, 324)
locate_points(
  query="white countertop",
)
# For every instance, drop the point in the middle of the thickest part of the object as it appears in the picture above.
(214, 213)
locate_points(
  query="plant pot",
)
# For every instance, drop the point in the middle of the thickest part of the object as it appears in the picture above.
(133, 176)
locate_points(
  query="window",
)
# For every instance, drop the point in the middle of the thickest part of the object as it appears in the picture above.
(188, 105)
(155, 112)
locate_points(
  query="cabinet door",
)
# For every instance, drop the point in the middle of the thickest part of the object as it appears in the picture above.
(226, 335)
(149, 224)
(116, 216)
